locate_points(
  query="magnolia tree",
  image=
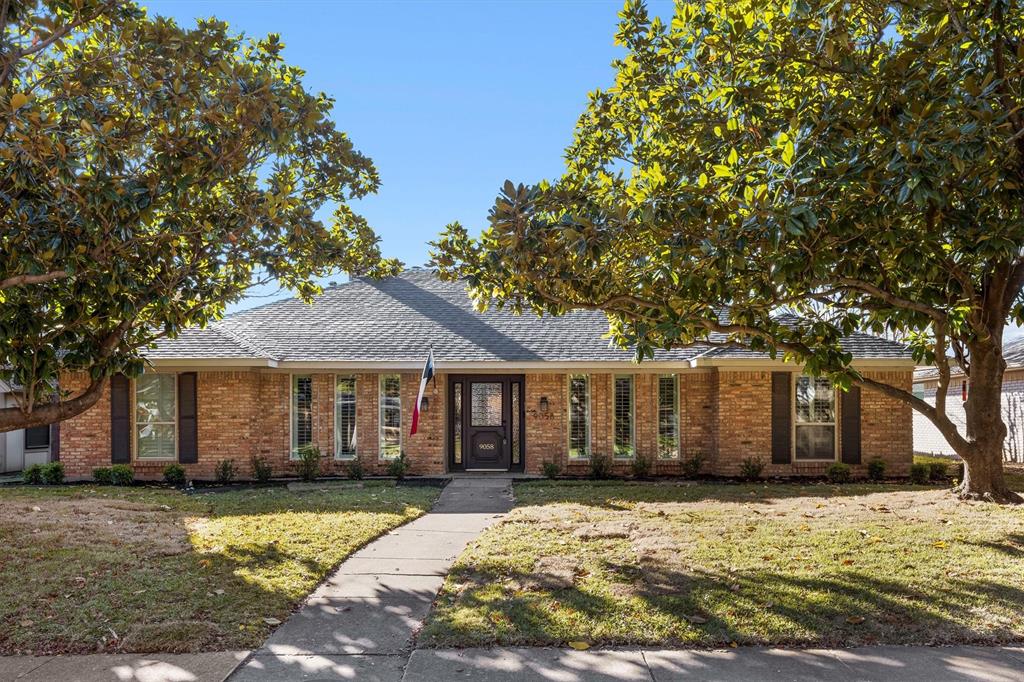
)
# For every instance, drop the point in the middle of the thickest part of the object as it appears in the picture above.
(149, 174)
(860, 163)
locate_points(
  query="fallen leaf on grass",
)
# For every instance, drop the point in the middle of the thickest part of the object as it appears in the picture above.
(26, 623)
(855, 620)
(696, 620)
(579, 646)
(939, 545)
(271, 621)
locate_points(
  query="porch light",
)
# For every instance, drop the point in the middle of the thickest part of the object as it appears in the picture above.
(544, 404)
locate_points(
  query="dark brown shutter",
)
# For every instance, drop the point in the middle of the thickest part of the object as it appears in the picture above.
(188, 439)
(849, 436)
(120, 420)
(781, 417)
(55, 442)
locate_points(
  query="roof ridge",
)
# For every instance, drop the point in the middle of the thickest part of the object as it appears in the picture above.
(243, 341)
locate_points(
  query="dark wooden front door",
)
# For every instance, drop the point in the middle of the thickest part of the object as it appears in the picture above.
(486, 424)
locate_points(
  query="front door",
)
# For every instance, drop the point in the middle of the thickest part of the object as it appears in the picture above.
(485, 425)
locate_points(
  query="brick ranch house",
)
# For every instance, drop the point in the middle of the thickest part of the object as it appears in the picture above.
(511, 393)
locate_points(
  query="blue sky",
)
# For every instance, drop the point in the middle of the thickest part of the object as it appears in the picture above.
(448, 98)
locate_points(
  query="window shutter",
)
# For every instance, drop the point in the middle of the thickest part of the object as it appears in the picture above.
(188, 438)
(120, 420)
(782, 415)
(849, 435)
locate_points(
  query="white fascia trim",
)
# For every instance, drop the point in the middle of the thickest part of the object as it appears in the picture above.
(552, 366)
(748, 363)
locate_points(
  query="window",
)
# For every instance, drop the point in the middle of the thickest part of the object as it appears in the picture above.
(302, 413)
(579, 416)
(668, 417)
(815, 418)
(390, 416)
(37, 438)
(919, 391)
(344, 417)
(457, 426)
(516, 444)
(156, 416)
(623, 409)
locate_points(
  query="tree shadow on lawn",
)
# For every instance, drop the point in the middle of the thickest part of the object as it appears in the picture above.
(100, 593)
(666, 606)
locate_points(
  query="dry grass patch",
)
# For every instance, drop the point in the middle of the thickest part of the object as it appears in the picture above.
(712, 565)
(148, 569)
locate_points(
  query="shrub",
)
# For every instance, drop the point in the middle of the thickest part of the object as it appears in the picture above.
(308, 464)
(551, 469)
(839, 473)
(261, 469)
(225, 471)
(641, 466)
(600, 467)
(174, 474)
(355, 470)
(102, 475)
(876, 469)
(919, 473)
(53, 473)
(33, 475)
(938, 471)
(692, 466)
(399, 467)
(751, 468)
(122, 474)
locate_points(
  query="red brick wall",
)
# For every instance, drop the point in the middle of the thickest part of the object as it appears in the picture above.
(546, 432)
(724, 415)
(885, 424)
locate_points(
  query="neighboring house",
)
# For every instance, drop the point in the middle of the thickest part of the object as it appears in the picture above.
(24, 447)
(511, 392)
(927, 438)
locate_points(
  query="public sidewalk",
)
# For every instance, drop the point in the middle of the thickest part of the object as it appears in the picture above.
(208, 667)
(881, 664)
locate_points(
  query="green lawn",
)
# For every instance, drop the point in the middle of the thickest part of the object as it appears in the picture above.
(712, 565)
(88, 569)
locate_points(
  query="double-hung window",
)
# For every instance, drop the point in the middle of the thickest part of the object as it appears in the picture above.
(302, 412)
(156, 416)
(390, 416)
(625, 446)
(579, 416)
(668, 417)
(345, 417)
(815, 422)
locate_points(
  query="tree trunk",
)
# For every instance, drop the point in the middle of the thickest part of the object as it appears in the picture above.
(13, 418)
(986, 432)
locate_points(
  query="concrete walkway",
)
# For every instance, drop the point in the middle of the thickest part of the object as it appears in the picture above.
(883, 663)
(359, 624)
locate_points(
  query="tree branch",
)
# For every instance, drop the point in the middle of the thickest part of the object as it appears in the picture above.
(19, 280)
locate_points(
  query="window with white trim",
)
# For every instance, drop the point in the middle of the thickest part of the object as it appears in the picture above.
(156, 416)
(815, 422)
(668, 416)
(344, 417)
(579, 416)
(302, 412)
(625, 446)
(390, 416)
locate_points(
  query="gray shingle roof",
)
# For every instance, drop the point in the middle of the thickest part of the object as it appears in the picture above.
(860, 345)
(397, 318)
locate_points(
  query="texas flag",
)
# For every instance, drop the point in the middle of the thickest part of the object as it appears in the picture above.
(428, 374)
